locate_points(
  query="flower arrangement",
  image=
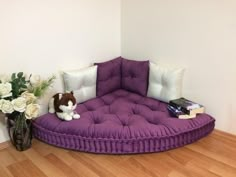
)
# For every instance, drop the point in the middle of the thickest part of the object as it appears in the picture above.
(18, 101)
(19, 95)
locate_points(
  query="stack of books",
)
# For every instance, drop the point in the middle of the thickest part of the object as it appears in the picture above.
(184, 109)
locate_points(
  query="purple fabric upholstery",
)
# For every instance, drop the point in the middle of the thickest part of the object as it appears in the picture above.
(108, 76)
(122, 122)
(135, 76)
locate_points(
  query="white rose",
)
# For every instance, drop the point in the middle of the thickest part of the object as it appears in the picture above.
(19, 104)
(35, 79)
(4, 78)
(7, 106)
(5, 90)
(32, 111)
(30, 98)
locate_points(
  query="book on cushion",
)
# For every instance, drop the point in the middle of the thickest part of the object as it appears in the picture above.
(187, 106)
(176, 112)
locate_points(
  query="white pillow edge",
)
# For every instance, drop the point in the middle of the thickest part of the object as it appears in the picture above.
(76, 72)
(181, 71)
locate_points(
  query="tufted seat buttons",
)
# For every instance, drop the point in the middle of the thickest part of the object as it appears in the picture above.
(155, 122)
(90, 109)
(96, 122)
(153, 108)
(134, 112)
(102, 132)
(124, 124)
(106, 103)
(132, 75)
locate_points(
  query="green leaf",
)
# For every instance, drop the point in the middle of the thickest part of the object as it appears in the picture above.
(20, 74)
(23, 79)
(24, 86)
(13, 76)
(37, 92)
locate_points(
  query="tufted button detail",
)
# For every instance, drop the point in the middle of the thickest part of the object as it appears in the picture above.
(96, 122)
(154, 108)
(113, 74)
(134, 112)
(100, 132)
(152, 122)
(106, 103)
(132, 75)
(90, 109)
(124, 124)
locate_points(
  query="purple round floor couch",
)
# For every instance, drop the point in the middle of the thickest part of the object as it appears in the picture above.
(121, 119)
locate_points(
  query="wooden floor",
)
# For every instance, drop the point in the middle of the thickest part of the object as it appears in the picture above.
(212, 156)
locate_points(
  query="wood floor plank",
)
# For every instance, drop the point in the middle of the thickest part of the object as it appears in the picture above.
(17, 155)
(226, 149)
(176, 166)
(92, 165)
(209, 164)
(43, 164)
(123, 165)
(180, 155)
(25, 169)
(5, 172)
(176, 174)
(224, 135)
(202, 161)
(65, 157)
(115, 163)
(157, 166)
(218, 157)
(67, 170)
(223, 171)
(200, 171)
(81, 168)
(45, 149)
(6, 158)
(140, 168)
(213, 156)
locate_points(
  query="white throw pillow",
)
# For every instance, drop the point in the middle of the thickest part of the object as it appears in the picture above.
(165, 83)
(82, 82)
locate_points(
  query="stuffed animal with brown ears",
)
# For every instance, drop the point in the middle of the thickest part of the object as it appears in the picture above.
(64, 104)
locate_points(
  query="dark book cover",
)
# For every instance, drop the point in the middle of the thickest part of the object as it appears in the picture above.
(187, 106)
(176, 112)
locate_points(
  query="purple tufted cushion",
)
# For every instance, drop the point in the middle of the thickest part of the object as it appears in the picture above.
(122, 122)
(135, 76)
(108, 76)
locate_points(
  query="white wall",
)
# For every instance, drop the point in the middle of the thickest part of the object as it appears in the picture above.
(47, 36)
(199, 35)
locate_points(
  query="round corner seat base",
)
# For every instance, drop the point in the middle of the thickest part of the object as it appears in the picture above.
(122, 122)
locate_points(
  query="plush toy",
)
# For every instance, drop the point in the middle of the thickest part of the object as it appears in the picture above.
(64, 104)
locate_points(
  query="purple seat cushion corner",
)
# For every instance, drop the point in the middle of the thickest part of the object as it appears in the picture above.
(135, 76)
(122, 122)
(108, 76)
(122, 119)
